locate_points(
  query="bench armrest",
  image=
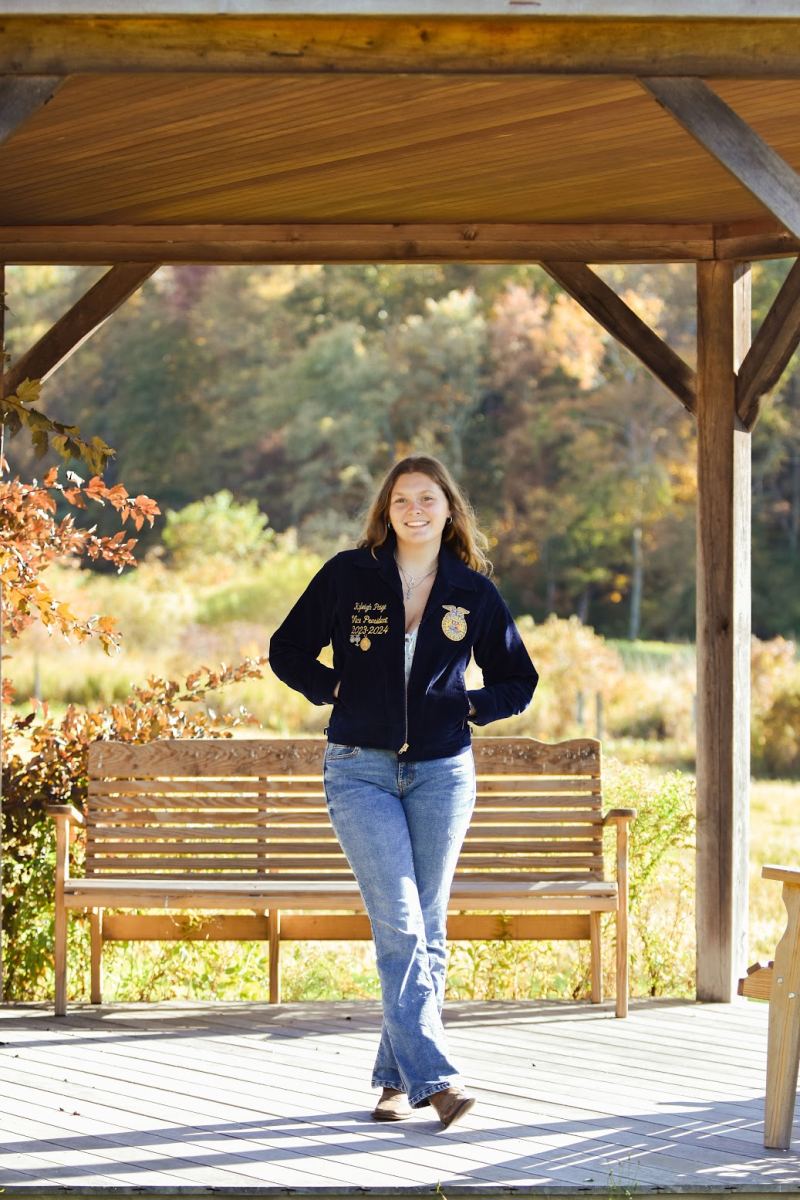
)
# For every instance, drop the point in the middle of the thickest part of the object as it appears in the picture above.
(72, 815)
(783, 874)
(619, 814)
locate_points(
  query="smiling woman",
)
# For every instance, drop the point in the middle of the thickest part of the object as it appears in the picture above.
(405, 611)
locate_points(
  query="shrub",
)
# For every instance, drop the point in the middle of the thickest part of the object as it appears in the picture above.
(661, 865)
(217, 527)
(775, 706)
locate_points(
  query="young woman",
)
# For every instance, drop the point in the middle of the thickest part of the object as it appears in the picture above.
(405, 612)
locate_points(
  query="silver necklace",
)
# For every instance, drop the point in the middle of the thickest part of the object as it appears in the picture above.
(411, 581)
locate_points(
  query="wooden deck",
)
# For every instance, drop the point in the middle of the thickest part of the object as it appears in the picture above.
(243, 1098)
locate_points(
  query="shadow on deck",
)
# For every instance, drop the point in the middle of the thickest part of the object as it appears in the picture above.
(242, 1098)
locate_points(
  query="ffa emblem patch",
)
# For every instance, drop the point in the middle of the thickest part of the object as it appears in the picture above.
(453, 624)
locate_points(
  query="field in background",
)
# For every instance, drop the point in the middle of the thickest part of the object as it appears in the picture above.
(173, 621)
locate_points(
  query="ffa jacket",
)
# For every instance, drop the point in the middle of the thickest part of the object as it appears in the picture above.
(355, 602)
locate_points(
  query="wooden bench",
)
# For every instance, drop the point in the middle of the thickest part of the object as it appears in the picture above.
(779, 982)
(179, 826)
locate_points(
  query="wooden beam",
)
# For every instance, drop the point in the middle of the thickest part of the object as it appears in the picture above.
(71, 330)
(680, 9)
(733, 143)
(723, 631)
(773, 346)
(21, 97)
(603, 303)
(524, 42)
(318, 242)
(747, 241)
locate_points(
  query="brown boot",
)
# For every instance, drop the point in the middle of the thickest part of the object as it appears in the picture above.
(451, 1105)
(392, 1106)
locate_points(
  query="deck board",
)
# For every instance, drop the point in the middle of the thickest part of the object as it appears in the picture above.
(203, 1096)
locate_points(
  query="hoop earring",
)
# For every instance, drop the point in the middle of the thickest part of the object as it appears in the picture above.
(449, 521)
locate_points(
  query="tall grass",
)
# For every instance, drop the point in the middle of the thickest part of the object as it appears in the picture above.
(175, 620)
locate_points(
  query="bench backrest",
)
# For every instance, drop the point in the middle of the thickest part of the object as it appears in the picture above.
(238, 809)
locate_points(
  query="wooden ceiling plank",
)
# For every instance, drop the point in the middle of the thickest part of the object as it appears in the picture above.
(289, 139)
(755, 47)
(610, 311)
(773, 346)
(357, 243)
(238, 154)
(78, 324)
(733, 143)
(21, 97)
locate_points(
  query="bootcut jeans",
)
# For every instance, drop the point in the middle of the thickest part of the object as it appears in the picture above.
(401, 825)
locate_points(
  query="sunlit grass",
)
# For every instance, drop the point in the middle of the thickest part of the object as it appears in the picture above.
(174, 622)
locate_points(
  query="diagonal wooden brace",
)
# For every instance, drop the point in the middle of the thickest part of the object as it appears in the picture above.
(610, 311)
(773, 346)
(733, 142)
(71, 330)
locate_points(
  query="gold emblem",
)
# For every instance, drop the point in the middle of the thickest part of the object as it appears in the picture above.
(453, 624)
(365, 643)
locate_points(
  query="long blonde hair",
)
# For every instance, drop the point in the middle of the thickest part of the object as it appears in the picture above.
(461, 535)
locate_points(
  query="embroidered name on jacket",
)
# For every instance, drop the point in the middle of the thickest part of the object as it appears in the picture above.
(367, 621)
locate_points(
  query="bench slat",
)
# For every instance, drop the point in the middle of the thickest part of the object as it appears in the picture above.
(257, 822)
(321, 830)
(334, 874)
(258, 789)
(119, 866)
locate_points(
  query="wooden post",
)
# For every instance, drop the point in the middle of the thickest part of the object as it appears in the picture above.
(596, 959)
(2, 451)
(623, 985)
(60, 955)
(723, 631)
(274, 926)
(96, 954)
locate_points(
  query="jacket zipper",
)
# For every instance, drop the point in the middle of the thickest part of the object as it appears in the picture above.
(404, 746)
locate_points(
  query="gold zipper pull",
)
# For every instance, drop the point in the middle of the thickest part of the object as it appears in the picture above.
(403, 748)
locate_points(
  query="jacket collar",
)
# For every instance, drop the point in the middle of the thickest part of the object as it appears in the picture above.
(452, 572)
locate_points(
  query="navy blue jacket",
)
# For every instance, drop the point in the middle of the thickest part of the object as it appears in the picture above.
(356, 602)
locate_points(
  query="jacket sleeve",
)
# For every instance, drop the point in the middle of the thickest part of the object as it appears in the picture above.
(295, 645)
(509, 676)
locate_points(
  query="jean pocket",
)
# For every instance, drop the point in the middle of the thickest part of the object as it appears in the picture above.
(335, 750)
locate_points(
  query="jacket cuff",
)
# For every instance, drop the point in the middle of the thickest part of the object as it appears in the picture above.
(325, 680)
(484, 706)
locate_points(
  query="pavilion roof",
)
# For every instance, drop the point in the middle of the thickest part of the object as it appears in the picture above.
(159, 124)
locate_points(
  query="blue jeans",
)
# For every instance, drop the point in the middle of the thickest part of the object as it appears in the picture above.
(401, 825)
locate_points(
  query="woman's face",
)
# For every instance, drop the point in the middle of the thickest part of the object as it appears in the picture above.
(418, 512)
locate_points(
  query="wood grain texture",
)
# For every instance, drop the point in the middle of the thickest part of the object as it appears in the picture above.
(190, 825)
(309, 242)
(21, 97)
(381, 44)
(79, 323)
(783, 1047)
(774, 344)
(723, 635)
(269, 758)
(784, 874)
(733, 143)
(757, 983)
(223, 1098)
(615, 316)
(747, 241)
(286, 152)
